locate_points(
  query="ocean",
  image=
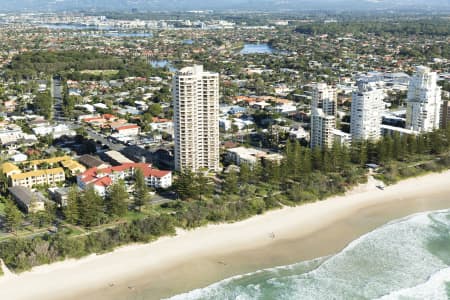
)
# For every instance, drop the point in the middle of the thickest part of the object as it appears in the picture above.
(405, 259)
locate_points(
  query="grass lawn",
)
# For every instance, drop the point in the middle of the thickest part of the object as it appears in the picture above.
(135, 215)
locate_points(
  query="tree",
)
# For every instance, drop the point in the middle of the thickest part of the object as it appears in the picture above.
(3, 182)
(91, 209)
(155, 109)
(141, 192)
(230, 183)
(184, 185)
(44, 104)
(13, 217)
(116, 199)
(71, 210)
(244, 174)
(42, 218)
(202, 186)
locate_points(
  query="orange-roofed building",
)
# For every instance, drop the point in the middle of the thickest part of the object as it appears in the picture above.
(101, 179)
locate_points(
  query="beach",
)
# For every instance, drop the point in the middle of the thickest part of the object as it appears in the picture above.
(197, 258)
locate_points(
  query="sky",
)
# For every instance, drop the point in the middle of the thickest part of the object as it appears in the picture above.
(183, 5)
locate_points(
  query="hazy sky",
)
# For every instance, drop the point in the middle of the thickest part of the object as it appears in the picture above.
(219, 4)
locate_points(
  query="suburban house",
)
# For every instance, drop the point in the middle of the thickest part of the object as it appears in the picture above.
(126, 130)
(55, 131)
(162, 124)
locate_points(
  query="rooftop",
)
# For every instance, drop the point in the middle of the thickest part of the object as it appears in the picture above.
(26, 195)
(9, 167)
(37, 173)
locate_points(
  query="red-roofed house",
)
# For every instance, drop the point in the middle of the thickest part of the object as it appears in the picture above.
(161, 124)
(101, 179)
(127, 130)
(110, 117)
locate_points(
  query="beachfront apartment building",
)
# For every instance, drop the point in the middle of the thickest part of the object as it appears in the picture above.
(367, 111)
(101, 179)
(196, 119)
(49, 177)
(424, 101)
(48, 171)
(65, 161)
(322, 129)
(325, 98)
(323, 115)
(445, 114)
(251, 156)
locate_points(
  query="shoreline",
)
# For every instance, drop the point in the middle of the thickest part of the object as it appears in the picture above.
(193, 259)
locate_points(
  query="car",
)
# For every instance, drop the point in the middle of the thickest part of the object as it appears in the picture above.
(380, 187)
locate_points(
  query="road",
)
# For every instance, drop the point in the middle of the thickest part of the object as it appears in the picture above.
(102, 139)
(58, 116)
(57, 90)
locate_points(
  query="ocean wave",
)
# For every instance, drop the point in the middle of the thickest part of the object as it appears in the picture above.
(410, 255)
(435, 288)
(246, 280)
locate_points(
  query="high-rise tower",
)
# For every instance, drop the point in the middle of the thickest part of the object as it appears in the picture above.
(424, 101)
(367, 112)
(196, 119)
(323, 115)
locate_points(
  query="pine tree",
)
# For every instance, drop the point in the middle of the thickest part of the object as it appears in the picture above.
(3, 182)
(306, 162)
(71, 210)
(230, 183)
(298, 160)
(202, 186)
(13, 217)
(397, 151)
(317, 158)
(91, 208)
(141, 192)
(184, 185)
(244, 173)
(116, 199)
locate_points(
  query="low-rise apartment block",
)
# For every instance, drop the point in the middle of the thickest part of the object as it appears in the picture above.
(101, 179)
(39, 177)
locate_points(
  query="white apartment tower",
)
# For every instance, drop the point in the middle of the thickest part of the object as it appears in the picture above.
(325, 98)
(196, 119)
(424, 101)
(322, 128)
(367, 111)
(323, 115)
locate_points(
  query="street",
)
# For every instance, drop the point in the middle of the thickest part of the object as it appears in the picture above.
(56, 92)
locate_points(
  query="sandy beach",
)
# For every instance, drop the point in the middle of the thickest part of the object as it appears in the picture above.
(194, 259)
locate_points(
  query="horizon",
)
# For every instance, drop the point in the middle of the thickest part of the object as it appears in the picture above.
(231, 5)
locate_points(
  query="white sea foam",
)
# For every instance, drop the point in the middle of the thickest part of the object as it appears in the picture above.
(396, 257)
(435, 288)
(240, 291)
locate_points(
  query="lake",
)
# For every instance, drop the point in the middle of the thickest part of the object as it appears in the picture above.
(162, 64)
(263, 48)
